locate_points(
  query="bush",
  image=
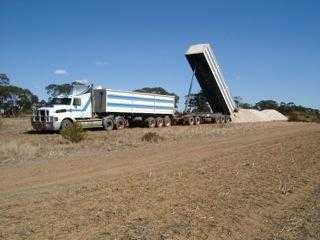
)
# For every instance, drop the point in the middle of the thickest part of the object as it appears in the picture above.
(293, 117)
(75, 133)
(1, 122)
(151, 137)
(302, 117)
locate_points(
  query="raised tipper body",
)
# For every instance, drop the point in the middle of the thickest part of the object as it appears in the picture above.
(210, 77)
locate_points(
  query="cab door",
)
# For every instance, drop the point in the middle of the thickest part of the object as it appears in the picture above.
(81, 106)
(76, 108)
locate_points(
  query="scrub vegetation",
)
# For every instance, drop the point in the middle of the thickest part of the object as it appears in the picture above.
(74, 133)
(151, 137)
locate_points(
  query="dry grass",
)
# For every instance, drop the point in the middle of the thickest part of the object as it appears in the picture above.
(54, 146)
(14, 152)
(10, 124)
(244, 181)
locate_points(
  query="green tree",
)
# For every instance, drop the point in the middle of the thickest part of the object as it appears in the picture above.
(266, 104)
(54, 90)
(15, 100)
(159, 90)
(241, 104)
(198, 103)
(4, 79)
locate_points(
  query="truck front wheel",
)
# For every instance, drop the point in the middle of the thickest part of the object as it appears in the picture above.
(66, 123)
(107, 123)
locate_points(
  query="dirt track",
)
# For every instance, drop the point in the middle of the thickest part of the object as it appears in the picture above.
(257, 181)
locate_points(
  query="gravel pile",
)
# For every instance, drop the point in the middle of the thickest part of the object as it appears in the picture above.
(252, 115)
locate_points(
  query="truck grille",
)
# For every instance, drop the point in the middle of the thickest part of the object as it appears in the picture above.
(41, 116)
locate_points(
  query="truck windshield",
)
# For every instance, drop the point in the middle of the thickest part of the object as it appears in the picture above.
(61, 101)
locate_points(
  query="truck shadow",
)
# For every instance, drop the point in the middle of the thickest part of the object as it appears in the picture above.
(91, 129)
(31, 132)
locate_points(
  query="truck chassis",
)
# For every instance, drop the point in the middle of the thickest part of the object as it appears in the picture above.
(116, 121)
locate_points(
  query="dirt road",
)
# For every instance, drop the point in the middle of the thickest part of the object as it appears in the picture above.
(243, 181)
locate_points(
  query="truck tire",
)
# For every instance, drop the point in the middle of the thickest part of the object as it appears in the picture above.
(151, 122)
(159, 122)
(197, 120)
(167, 121)
(189, 121)
(127, 123)
(108, 123)
(66, 123)
(120, 123)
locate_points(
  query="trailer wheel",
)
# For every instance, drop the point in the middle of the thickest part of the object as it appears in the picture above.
(189, 121)
(127, 123)
(159, 122)
(197, 120)
(107, 123)
(66, 123)
(120, 123)
(167, 121)
(151, 122)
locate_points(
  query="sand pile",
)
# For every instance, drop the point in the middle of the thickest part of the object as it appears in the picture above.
(253, 115)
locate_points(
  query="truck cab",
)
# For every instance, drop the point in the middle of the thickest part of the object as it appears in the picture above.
(62, 110)
(102, 107)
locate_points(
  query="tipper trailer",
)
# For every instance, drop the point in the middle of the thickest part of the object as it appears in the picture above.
(113, 109)
(210, 77)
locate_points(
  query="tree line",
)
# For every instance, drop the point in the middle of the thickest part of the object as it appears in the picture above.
(15, 100)
(290, 109)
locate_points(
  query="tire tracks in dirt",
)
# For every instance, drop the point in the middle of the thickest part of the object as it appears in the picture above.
(157, 157)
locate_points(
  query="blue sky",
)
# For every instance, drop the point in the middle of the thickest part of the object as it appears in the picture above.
(267, 49)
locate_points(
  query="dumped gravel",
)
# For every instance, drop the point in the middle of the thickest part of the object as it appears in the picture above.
(253, 115)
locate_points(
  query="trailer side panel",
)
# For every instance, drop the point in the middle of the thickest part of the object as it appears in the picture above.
(134, 102)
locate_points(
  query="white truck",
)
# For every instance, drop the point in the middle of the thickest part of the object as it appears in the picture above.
(117, 109)
(111, 109)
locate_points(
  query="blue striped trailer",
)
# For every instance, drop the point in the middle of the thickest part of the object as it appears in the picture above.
(115, 101)
(120, 108)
